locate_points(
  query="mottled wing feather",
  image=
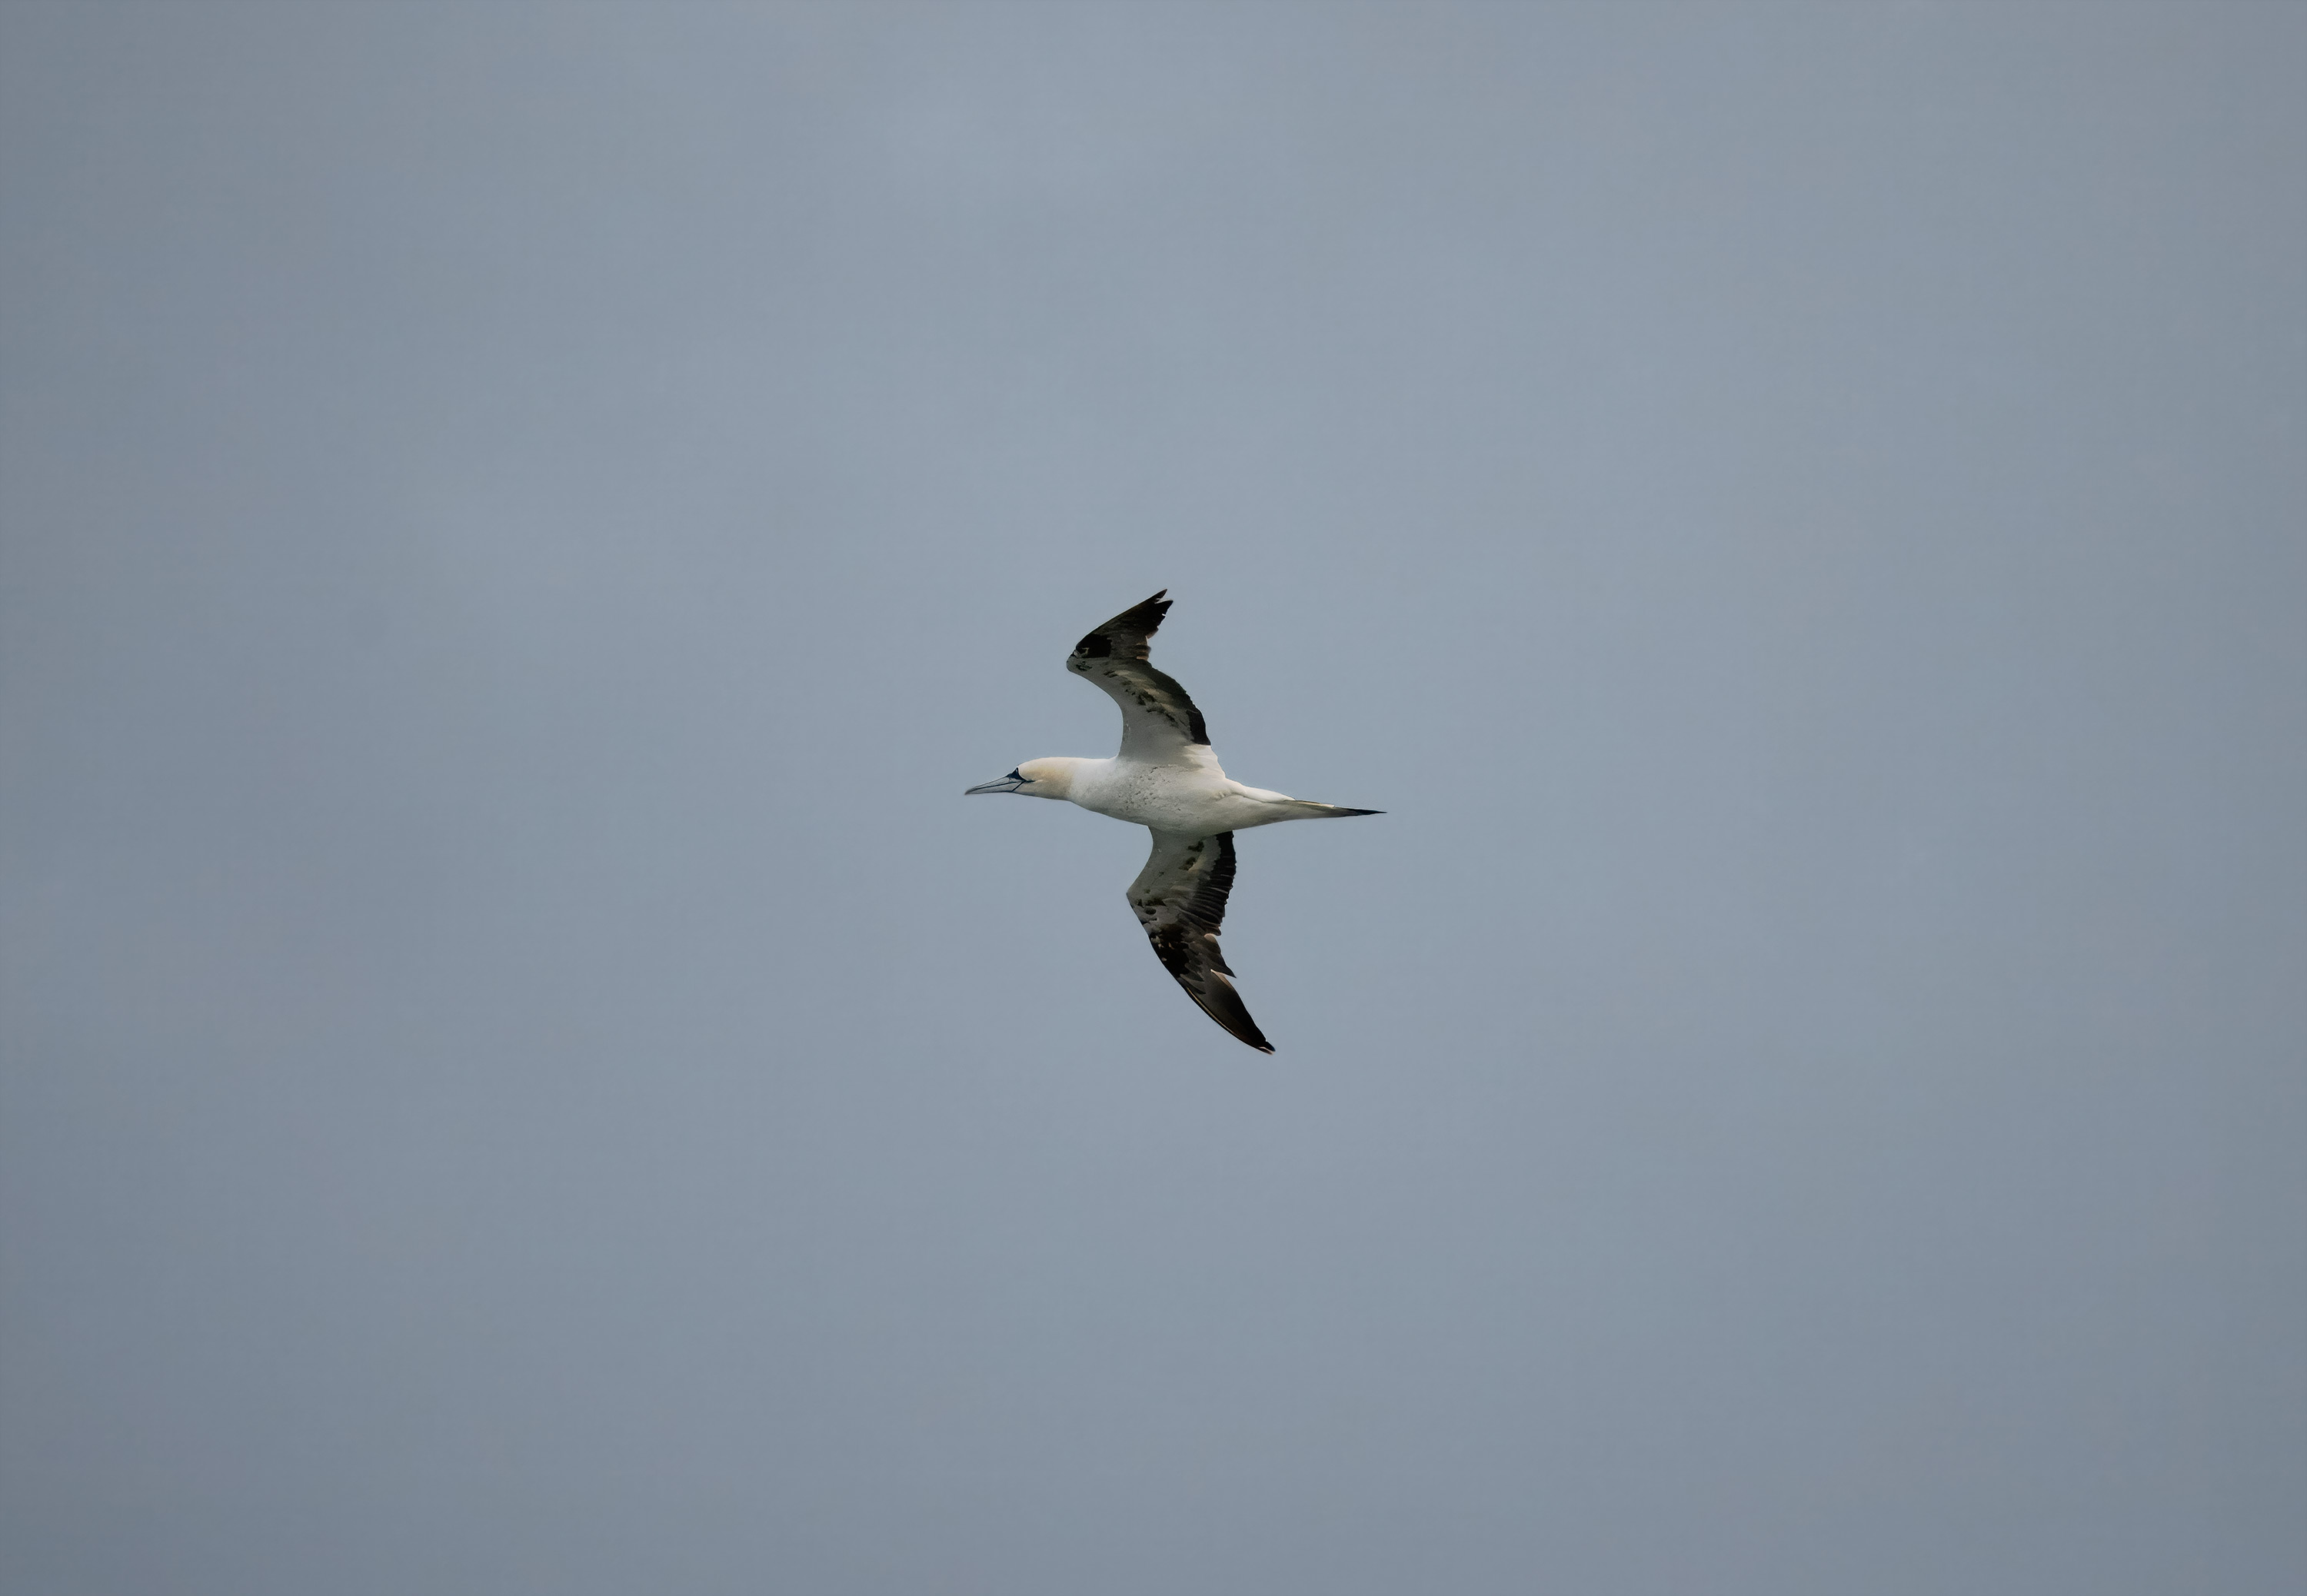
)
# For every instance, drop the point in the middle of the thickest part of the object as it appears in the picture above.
(1158, 720)
(1181, 898)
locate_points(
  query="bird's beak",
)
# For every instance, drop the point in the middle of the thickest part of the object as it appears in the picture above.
(1009, 784)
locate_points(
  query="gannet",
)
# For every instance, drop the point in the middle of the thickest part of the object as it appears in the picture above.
(1167, 779)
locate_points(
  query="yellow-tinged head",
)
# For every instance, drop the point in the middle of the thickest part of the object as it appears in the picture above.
(1036, 778)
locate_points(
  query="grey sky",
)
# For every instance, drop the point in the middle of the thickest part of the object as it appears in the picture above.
(525, 1078)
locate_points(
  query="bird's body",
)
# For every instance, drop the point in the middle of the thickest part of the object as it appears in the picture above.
(1167, 779)
(1195, 800)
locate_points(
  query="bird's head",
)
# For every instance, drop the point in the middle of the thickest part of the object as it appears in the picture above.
(1036, 778)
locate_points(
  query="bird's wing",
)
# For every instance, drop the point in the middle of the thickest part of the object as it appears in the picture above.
(1158, 722)
(1181, 898)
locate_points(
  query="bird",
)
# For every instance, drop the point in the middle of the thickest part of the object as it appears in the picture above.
(1166, 779)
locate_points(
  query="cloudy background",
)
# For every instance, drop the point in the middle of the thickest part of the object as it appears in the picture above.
(524, 1077)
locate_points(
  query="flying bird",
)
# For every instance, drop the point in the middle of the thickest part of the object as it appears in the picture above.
(1166, 779)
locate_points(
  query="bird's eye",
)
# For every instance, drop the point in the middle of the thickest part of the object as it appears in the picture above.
(1020, 776)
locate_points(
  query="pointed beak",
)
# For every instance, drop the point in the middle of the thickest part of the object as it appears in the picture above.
(1009, 784)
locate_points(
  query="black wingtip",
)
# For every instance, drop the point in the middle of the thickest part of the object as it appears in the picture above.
(1131, 630)
(1361, 811)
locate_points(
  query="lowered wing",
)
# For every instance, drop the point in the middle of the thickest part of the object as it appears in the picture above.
(1158, 722)
(1181, 898)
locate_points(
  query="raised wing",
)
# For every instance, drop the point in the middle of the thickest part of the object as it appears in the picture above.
(1181, 898)
(1158, 722)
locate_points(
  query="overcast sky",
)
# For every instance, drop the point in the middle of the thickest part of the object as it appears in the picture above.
(524, 1076)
